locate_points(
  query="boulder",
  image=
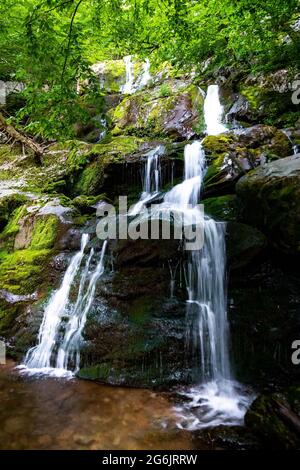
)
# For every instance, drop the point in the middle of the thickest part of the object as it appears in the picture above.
(270, 200)
(276, 418)
(243, 245)
(221, 207)
(173, 109)
(232, 155)
(264, 98)
(243, 242)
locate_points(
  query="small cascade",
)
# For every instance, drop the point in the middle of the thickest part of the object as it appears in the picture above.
(128, 87)
(146, 77)
(188, 191)
(58, 353)
(151, 178)
(296, 148)
(213, 112)
(131, 85)
(69, 350)
(103, 132)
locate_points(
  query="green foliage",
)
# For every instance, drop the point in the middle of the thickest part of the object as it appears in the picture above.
(50, 44)
(164, 91)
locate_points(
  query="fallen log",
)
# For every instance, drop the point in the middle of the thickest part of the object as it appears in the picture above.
(21, 138)
(287, 415)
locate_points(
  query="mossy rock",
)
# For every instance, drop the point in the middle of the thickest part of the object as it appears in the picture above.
(221, 207)
(264, 418)
(101, 156)
(111, 74)
(178, 113)
(9, 203)
(270, 200)
(85, 203)
(244, 244)
(44, 233)
(20, 271)
(268, 97)
(232, 155)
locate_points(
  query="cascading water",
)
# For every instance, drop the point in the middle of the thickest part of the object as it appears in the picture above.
(213, 112)
(59, 354)
(131, 85)
(151, 179)
(128, 88)
(216, 399)
(103, 132)
(296, 148)
(146, 77)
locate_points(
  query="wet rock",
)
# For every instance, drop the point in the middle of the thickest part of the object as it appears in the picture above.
(222, 207)
(146, 252)
(270, 198)
(276, 418)
(232, 155)
(244, 243)
(71, 241)
(135, 332)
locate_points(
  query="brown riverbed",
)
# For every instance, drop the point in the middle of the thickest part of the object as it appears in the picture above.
(52, 413)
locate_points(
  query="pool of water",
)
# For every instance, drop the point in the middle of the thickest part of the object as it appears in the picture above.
(57, 413)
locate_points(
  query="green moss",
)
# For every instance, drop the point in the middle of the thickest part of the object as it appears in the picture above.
(76, 160)
(12, 227)
(20, 271)
(101, 155)
(213, 175)
(221, 207)
(218, 144)
(85, 203)
(254, 95)
(164, 90)
(80, 220)
(9, 153)
(44, 232)
(8, 313)
(91, 179)
(117, 146)
(8, 204)
(146, 113)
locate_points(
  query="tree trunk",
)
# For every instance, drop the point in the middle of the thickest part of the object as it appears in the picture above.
(14, 134)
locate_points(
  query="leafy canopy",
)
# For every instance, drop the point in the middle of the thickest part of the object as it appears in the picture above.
(50, 44)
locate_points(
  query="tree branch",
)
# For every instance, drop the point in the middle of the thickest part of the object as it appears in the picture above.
(24, 140)
(70, 38)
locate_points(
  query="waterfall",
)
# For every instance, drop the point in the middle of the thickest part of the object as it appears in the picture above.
(188, 191)
(131, 85)
(146, 77)
(151, 178)
(56, 352)
(217, 398)
(103, 132)
(296, 148)
(213, 112)
(128, 88)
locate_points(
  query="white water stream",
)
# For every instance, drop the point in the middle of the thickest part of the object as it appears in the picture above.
(60, 335)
